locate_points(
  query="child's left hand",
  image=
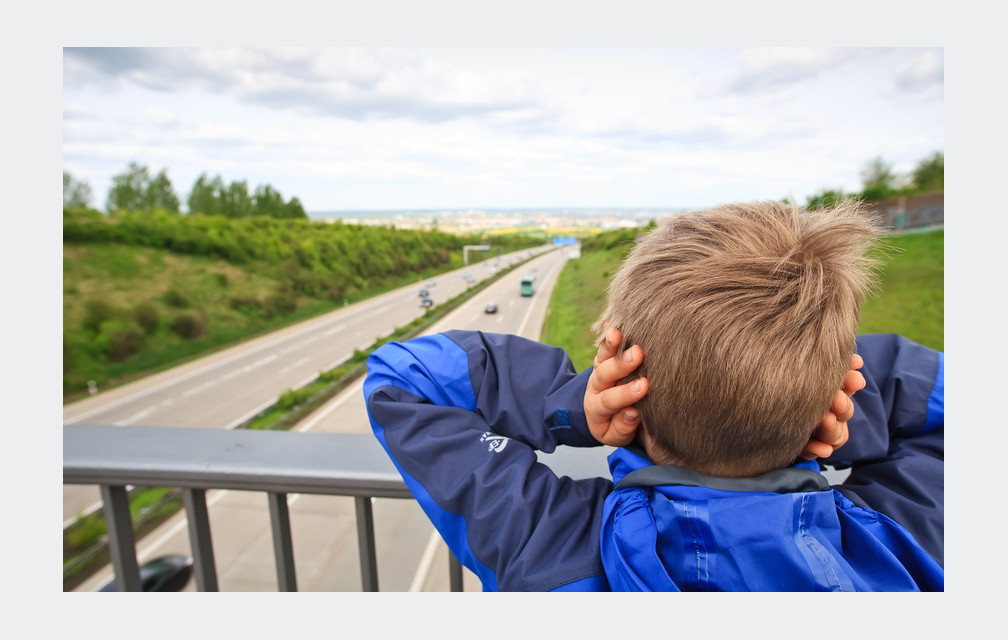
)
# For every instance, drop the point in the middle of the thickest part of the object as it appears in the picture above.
(612, 418)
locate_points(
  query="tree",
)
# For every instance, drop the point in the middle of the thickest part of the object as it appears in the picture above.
(135, 190)
(929, 174)
(267, 201)
(159, 194)
(293, 209)
(76, 193)
(825, 198)
(127, 190)
(235, 200)
(878, 179)
(205, 196)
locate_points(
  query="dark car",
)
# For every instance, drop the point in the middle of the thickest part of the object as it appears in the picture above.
(491, 308)
(167, 573)
(424, 293)
(426, 303)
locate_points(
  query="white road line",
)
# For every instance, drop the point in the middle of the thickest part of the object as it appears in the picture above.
(251, 413)
(334, 330)
(203, 387)
(137, 416)
(260, 362)
(353, 391)
(336, 363)
(293, 365)
(423, 569)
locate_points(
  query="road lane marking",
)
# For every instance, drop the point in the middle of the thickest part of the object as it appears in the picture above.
(203, 387)
(293, 365)
(334, 330)
(336, 363)
(351, 392)
(423, 569)
(137, 416)
(269, 403)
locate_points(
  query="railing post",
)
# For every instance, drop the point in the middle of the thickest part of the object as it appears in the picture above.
(199, 539)
(283, 547)
(366, 544)
(454, 572)
(122, 542)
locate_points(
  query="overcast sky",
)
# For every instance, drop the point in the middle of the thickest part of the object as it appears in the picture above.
(517, 127)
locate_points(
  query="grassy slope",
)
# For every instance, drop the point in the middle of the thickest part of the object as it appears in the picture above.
(127, 276)
(911, 301)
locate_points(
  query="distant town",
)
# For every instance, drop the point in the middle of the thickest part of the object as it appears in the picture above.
(500, 220)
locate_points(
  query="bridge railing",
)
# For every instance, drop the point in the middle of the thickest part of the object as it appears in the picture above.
(276, 463)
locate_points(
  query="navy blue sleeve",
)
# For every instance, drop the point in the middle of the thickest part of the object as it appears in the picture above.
(461, 415)
(896, 448)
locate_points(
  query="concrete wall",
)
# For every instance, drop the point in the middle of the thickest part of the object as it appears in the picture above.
(908, 212)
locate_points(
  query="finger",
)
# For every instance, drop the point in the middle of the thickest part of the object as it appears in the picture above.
(815, 449)
(831, 431)
(856, 362)
(607, 349)
(842, 407)
(623, 427)
(622, 397)
(612, 370)
(853, 382)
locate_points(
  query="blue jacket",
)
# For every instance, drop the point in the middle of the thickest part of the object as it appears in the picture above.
(462, 414)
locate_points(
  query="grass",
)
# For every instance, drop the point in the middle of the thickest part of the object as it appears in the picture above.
(577, 299)
(912, 298)
(127, 280)
(910, 302)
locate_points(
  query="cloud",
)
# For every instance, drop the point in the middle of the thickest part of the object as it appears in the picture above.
(350, 83)
(923, 76)
(771, 69)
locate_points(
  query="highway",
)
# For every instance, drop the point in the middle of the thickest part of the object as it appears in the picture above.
(223, 390)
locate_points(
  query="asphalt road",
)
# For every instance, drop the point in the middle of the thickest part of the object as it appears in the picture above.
(225, 389)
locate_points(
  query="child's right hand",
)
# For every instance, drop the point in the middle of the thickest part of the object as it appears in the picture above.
(612, 418)
(832, 431)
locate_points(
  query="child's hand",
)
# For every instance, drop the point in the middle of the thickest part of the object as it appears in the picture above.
(832, 432)
(612, 418)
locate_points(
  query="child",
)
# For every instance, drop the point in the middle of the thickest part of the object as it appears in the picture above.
(743, 322)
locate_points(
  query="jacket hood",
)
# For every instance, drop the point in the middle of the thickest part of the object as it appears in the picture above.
(697, 535)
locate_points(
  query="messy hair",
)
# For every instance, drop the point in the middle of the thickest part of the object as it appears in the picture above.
(747, 316)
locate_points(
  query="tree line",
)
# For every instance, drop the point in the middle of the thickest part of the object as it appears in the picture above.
(135, 189)
(879, 181)
(127, 310)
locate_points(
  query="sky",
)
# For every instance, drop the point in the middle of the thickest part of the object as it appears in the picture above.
(428, 128)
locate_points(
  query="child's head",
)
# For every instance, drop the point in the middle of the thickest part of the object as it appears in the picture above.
(747, 316)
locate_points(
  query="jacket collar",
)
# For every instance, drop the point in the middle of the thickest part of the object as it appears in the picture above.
(630, 467)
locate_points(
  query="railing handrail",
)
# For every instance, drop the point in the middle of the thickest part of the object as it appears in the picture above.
(238, 459)
(274, 462)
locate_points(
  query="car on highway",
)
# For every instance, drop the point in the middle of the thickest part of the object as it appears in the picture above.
(426, 303)
(491, 308)
(424, 293)
(167, 573)
(431, 283)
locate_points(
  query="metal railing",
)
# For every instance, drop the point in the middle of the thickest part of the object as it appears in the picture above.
(277, 463)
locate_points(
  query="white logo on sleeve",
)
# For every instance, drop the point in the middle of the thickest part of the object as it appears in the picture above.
(494, 442)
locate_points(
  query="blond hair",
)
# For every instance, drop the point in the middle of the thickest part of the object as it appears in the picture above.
(747, 316)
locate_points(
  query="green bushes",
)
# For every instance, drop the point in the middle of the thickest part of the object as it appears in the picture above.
(189, 325)
(177, 285)
(119, 339)
(147, 316)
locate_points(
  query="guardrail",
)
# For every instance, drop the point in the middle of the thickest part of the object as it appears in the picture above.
(277, 463)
